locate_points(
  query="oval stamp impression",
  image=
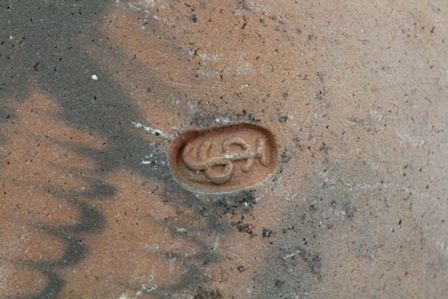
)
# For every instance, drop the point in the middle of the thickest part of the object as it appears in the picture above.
(223, 159)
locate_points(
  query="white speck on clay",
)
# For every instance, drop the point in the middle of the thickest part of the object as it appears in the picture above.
(148, 129)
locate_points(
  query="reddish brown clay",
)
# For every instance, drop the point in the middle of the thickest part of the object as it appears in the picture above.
(223, 159)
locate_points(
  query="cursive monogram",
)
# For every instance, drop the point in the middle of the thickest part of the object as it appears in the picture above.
(206, 163)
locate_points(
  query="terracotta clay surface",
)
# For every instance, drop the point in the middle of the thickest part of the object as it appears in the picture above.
(223, 159)
(102, 102)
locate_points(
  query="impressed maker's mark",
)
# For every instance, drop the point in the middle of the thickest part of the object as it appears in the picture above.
(223, 159)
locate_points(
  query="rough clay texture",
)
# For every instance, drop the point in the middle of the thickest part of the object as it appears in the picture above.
(93, 92)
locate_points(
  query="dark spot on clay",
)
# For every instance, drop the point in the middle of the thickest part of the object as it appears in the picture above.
(320, 95)
(279, 283)
(266, 233)
(252, 118)
(36, 65)
(243, 227)
(204, 294)
(235, 203)
(324, 148)
(297, 142)
(290, 228)
(283, 119)
(6, 114)
(285, 157)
